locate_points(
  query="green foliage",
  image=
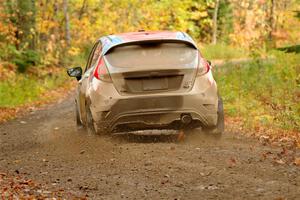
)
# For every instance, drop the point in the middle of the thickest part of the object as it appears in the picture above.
(26, 23)
(225, 21)
(25, 59)
(222, 51)
(290, 49)
(265, 92)
(8, 52)
(26, 88)
(297, 14)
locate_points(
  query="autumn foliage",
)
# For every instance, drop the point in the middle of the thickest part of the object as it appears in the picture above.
(51, 32)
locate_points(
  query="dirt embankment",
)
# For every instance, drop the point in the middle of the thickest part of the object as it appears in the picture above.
(46, 147)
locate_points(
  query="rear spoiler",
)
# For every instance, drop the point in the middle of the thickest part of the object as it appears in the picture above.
(108, 48)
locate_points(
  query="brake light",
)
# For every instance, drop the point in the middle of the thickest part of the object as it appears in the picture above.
(101, 72)
(203, 67)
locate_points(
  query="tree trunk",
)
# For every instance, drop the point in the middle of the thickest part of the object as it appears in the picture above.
(215, 22)
(67, 23)
(55, 19)
(272, 24)
(82, 9)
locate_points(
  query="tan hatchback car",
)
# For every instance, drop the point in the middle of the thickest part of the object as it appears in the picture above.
(147, 80)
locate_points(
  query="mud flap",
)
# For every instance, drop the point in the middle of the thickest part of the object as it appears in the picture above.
(218, 129)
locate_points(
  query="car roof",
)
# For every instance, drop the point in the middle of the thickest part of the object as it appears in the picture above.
(110, 41)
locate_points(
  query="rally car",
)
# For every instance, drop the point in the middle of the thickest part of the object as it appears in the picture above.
(147, 80)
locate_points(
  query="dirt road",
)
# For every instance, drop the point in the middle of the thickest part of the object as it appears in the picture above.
(45, 146)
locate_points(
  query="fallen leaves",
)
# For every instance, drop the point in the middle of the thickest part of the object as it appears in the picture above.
(284, 157)
(82, 151)
(8, 113)
(266, 154)
(148, 163)
(265, 135)
(297, 162)
(207, 187)
(264, 139)
(280, 161)
(205, 174)
(18, 187)
(232, 162)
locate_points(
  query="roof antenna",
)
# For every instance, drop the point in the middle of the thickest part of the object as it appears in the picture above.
(141, 30)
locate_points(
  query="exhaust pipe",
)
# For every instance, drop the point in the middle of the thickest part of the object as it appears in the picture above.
(186, 118)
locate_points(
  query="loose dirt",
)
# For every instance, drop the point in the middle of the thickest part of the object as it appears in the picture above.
(45, 146)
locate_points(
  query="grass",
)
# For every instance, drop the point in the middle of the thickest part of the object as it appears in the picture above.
(20, 89)
(263, 92)
(35, 85)
(222, 51)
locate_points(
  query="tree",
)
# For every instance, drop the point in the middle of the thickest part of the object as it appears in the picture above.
(67, 23)
(272, 24)
(225, 21)
(215, 22)
(83, 8)
(26, 23)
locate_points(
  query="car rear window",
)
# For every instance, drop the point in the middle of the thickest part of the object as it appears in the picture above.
(154, 55)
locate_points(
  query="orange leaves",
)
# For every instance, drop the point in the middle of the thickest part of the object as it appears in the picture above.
(252, 22)
(19, 187)
(7, 29)
(266, 135)
(297, 161)
(232, 162)
(7, 71)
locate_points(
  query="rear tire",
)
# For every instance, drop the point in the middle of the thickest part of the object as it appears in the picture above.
(217, 130)
(79, 125)
(90, 127)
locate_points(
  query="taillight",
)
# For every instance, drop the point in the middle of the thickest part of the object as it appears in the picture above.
(203, 67)
(101, 72)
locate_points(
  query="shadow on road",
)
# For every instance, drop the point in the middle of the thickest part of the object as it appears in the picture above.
(163, 136)
(133, 138)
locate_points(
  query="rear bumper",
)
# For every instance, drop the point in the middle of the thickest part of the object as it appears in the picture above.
(156, 120)
(115, 112)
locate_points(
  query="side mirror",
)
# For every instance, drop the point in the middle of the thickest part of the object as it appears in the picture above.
(75, 72)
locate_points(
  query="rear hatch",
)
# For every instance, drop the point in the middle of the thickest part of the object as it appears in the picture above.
(152, 67)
